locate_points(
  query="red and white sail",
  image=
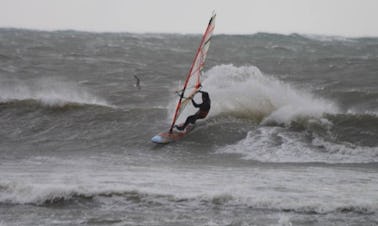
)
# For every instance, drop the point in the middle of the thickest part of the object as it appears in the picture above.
(193, 79)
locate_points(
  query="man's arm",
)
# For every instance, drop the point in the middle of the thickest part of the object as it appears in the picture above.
(195, 104)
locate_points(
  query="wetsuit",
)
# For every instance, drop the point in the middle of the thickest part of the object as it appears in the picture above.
(204, 109)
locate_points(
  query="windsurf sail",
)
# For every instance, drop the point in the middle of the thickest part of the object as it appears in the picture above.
(193, 79)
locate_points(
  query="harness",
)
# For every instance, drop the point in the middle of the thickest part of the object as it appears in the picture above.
(202, 114)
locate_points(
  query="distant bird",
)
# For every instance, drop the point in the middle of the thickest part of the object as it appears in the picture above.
(137, 84)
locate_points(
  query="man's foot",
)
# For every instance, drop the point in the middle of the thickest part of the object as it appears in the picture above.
(179, 127)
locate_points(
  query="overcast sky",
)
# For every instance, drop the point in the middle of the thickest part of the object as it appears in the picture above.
(323, 17)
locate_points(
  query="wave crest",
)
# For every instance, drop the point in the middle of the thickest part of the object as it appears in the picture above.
(281, 145)
(18, 193)
(48, 92)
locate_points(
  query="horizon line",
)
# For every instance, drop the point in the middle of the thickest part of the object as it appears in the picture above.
(187, 33)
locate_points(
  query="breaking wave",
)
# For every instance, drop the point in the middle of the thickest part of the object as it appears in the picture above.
(14, 193)
(246, 92)
(293, 125)
(48, 92)
(277, 144)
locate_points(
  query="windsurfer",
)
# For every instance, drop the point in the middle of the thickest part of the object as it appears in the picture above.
(204, 109)
(137, 83)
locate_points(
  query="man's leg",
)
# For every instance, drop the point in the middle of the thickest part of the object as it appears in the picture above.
(191, 119)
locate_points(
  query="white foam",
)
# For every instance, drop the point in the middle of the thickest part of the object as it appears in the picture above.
(49, 92)
(328, 38)
(277, 144)
(354, 111)
(313, 189)
(247, 92)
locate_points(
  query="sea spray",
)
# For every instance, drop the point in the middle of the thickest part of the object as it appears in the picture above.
(245, 91)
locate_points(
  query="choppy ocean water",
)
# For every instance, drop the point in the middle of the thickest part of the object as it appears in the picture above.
(291, 139)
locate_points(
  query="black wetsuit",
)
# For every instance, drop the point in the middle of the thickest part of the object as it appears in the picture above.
(204, 109)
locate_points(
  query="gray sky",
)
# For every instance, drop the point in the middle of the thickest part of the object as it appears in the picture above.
(324, 17)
